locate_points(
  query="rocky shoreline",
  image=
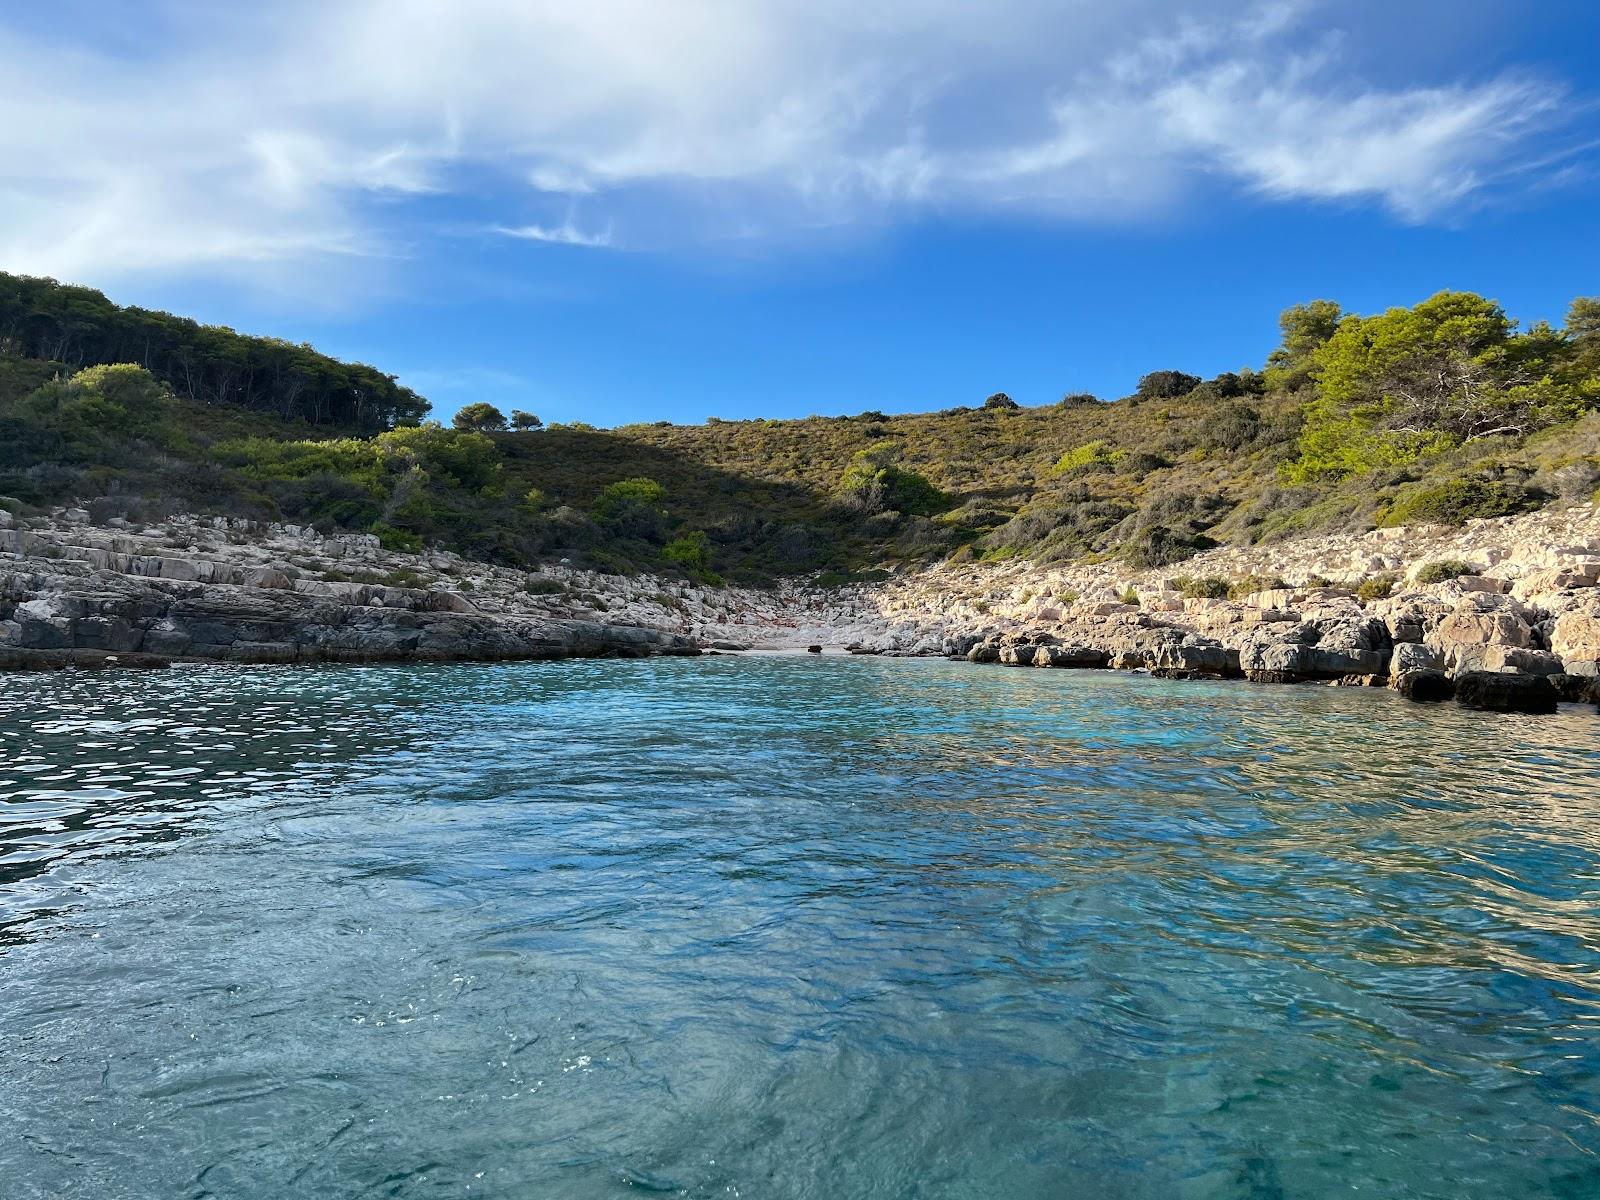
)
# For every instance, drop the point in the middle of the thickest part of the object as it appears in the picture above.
(1514, 624)
(75, 595)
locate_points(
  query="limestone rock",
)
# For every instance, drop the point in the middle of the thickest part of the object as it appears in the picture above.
(1516, 658)
(1081, 657)
(1576, 634)
(1478, 621)
(1411, 656)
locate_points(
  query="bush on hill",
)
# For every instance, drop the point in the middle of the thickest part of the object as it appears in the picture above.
(1338, 433)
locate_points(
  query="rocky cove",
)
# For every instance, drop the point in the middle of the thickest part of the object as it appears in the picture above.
(1515, 626)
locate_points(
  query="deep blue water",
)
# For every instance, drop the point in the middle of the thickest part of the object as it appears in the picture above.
(790, 928)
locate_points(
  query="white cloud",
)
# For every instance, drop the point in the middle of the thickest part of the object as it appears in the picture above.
(561, 235)
(316, 133)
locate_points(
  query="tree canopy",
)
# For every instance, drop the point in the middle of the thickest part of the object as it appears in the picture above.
(79, 327)
(479, 418)
(1392, 387)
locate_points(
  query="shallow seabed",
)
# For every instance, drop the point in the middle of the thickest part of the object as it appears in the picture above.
(790, 927)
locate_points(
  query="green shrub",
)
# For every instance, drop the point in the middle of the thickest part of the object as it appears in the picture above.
(1089, 454)
(1161, 546)
(1166, 385)
(1203, 588)
(537, 586)
(1000, 554)
(1375, 587)
(1251, 584)
(399, 540)
(1142, 462)
(1442, 571)
(1461, 499)
(1130, 595)
(638, 490)
(692, 552)
(873, 482)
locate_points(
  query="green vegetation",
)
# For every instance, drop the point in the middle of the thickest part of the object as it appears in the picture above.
(691, 552)
(1252, 584)
(1460, 499)
(1375, 587)
(1091, 454)
(1413, 381)
(1204, 588)
(1443, 412)
(873, 483)
(210, 364)
(1443, 571)
(479, 418)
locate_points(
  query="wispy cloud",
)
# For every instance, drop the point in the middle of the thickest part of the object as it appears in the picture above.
(561, 235)
(312, 133)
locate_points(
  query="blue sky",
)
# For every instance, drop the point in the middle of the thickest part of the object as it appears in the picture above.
(626, 210)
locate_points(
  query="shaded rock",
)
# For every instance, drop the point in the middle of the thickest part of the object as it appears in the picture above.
(1503, 692)
(1579, 689)
(1423, 685)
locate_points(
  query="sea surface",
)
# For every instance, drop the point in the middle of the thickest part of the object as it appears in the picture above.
(790, 927)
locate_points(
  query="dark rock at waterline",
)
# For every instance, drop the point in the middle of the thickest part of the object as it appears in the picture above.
(1579, 689)
(961, 645)
(1503, 692)
(1194, 656)
(813, 649)
(1078, 657)
(1423, 685)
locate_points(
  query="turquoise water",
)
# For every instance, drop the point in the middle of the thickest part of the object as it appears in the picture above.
(790, 928)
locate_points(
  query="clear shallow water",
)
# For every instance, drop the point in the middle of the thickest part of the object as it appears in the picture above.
(790, 928)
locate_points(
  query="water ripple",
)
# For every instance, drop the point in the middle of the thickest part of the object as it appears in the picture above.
(790, 928)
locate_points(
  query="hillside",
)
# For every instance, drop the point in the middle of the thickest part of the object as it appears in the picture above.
(1441, 412)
